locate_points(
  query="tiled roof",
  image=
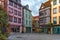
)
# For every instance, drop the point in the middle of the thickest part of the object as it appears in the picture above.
(50, 0)
(47, 4)
(27, 7)
(36, 17)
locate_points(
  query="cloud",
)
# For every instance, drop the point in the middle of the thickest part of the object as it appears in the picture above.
(33, 5)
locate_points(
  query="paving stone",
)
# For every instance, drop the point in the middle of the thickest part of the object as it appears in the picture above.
(33, 36)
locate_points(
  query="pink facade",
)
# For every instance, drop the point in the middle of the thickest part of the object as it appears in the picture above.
(14, 17)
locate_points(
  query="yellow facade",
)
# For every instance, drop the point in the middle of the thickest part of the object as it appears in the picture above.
(57, 13)
(35, 24)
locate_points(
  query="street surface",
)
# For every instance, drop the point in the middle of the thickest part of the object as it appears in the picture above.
(33, 36)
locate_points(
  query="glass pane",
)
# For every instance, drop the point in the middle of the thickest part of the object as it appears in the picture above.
(54, 10)
(10, 3)
(54, 2)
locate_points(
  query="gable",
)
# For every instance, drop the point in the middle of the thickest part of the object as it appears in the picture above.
(42, 6)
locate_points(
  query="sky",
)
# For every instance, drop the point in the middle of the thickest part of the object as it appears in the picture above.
(34, 5)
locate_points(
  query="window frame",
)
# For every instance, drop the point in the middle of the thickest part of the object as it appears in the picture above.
(59, 1)
(59, 19)
(54, 9)
(59, 9)
(54, 20)
(19, 7)
(19, 13)
(10, 10)
(10, 18)
(15, 19)
(15, 5)
(15, 12)
(19, 20)
(54, 2)
(10, 3)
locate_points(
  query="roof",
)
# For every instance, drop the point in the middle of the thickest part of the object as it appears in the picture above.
(47, 4)
(50, 0)
(36, 17)
(16, 2)
(27, 7)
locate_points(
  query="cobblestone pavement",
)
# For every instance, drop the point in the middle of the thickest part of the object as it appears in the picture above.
(34, 36)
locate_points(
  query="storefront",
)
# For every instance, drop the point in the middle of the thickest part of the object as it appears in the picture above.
(15, 29)
(28, 29)
(56, 30)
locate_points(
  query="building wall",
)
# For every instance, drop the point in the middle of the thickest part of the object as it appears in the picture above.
(56, 28)
(44, 16)
(18, 17)
(27, 18)
(35, 24)
(57, 14)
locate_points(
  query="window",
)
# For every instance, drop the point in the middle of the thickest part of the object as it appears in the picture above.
(54, 2)
(55, 10)
(59, 19)
(19, 1)
(18, 29)
(59, 9)
(19, 13)
(10, 3)
(15, 12)
(15, 28)
(45, 20)
(59, 1)
(24, 10)
(29, 16)
(26, 15)
(19, 7)
(0, 2)
(10, 18)
(15, 19)
(10, 10)
(54, 20)
(19, 20)
(26, 22)
(29, 22)
(41, 14)
(41, 20)
(45, 13)
(15, 5)
(15, 0)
